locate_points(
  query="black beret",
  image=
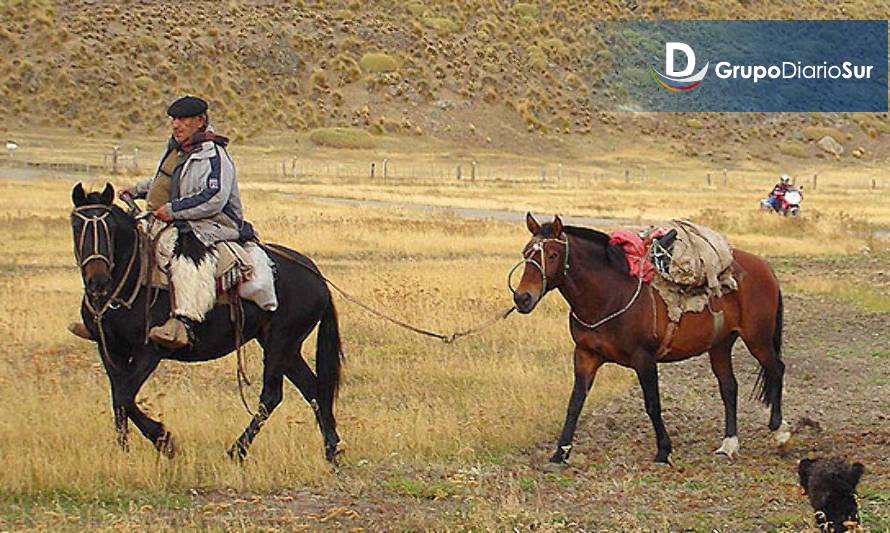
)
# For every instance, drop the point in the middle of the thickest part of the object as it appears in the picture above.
(187, 106)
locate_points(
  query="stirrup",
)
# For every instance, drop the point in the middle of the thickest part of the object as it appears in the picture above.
(175, 333)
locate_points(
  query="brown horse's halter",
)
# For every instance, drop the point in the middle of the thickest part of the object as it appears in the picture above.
(538, 245)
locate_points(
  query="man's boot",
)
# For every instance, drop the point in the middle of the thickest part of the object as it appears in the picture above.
(175, 333)
(77, 328)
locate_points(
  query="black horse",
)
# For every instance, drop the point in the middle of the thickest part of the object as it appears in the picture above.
(117, 308)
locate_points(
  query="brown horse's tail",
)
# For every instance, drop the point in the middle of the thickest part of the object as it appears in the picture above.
(328, 357)
(768, 386)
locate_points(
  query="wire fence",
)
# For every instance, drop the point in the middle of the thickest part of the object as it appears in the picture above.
(403, 170)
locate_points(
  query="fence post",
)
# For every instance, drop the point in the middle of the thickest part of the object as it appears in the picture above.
(385, 161)
(724, 178)
(815, 180)
(626, 176)
(372, 170)
(874, 184)
(709, 179)
(543, 174)
(473, 171)
(114, 153)
(136, 159)
(559, 172)
(458, 172)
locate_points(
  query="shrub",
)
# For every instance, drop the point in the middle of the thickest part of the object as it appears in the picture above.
(352, 138)
(379, 62)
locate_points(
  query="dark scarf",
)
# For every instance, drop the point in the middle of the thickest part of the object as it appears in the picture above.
(194, 143)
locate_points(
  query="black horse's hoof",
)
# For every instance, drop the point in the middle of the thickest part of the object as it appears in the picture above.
(332, 452)
(237, 452)
(561, 455)
(166, 445)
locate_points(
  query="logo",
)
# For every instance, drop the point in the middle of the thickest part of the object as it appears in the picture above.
(675, 80)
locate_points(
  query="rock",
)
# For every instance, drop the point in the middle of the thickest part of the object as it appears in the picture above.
(858, 152)
(830, 145)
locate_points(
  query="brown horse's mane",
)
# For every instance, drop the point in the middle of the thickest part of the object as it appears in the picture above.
(612, 255)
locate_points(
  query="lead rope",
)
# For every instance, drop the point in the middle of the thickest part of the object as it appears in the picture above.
(448, 339)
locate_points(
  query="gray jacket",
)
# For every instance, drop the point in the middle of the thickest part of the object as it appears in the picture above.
(205, 195)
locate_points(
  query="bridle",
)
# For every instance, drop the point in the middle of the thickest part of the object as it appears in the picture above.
(537, 245)
(534, 246)
(93, 224)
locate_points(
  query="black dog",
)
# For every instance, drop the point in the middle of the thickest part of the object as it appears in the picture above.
(830, 485)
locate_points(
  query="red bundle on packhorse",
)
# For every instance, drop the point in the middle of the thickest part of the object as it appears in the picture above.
(617, 318)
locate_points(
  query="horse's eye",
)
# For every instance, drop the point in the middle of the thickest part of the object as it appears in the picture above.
(553, 255)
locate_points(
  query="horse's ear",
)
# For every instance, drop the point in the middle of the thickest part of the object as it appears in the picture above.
(78, 196)
(556, 227)
(107, 195)
(532, 224)
(803, 473)
(855, 474)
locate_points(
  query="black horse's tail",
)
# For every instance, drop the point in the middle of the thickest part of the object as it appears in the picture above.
(328, 356)
(768, 385)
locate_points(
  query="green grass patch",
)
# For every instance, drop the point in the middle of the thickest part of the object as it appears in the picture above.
(418, 488)
(527, 484)
(851, 292)
(442, 25)
(794, 149)
(28, 507)
(352, 138)
(815, 133)
(379, 62)
(525, 9)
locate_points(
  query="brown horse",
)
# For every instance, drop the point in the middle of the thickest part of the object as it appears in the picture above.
(616, 318)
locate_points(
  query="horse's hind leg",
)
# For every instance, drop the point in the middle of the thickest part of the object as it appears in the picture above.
(299, 373)
(721, 365)
(770, 380)
(647, 373)
(270, 397)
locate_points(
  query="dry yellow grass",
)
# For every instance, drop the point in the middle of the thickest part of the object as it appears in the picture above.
(405, 400)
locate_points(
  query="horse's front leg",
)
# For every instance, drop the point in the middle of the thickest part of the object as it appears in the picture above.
(586, 365)
(647, 372)
(126, 380)
(116, 368)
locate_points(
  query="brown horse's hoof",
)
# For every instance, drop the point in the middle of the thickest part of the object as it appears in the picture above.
(166, 445)
(553, 466)
(663, 459)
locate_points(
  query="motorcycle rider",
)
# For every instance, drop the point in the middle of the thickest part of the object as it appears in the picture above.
(778, 192)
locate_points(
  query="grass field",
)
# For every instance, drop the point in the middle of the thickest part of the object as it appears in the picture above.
(416, 414)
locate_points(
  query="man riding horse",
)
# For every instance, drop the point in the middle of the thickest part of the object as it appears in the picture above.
(195, 202)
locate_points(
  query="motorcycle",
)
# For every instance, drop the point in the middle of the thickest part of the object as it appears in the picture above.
(787, 204)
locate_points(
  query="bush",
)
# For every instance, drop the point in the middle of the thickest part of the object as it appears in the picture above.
(794, 149)
(442, 25)
(352, 138)
(525, 9)
(379, 62)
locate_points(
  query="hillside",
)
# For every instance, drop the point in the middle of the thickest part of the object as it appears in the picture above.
(476, 71)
